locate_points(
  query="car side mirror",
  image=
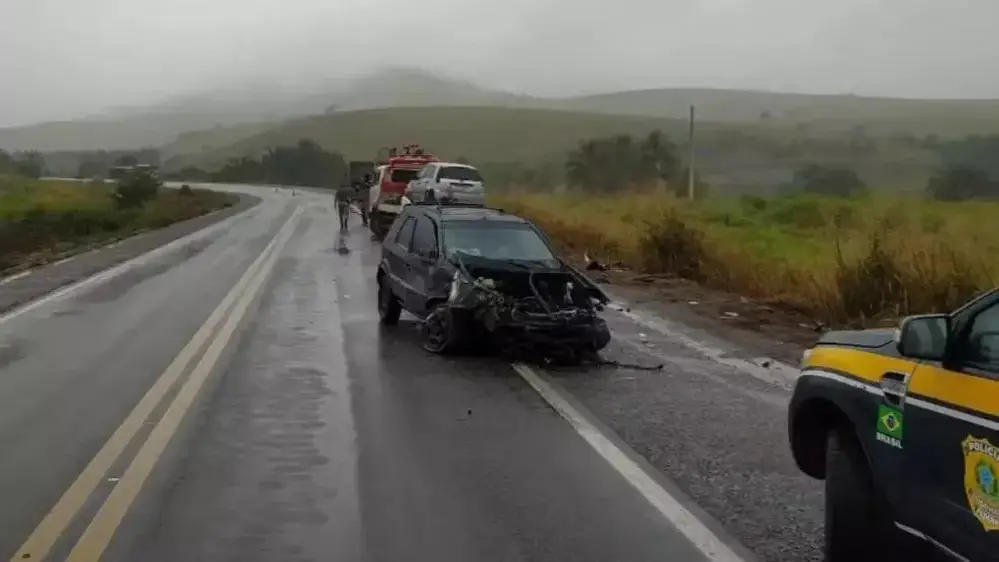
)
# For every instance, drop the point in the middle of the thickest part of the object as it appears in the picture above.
(924, 336)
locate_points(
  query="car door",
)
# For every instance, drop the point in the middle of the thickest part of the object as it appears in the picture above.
(422, 264)
(951, 437)
(397, 256)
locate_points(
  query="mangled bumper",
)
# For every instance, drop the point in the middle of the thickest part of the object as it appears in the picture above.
(518, 323)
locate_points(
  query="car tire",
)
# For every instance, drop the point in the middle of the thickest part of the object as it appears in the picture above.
(857, 524)
(389, 308)
(429, 195)
(443, 332)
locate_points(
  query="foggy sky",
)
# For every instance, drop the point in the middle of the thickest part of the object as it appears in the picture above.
(62, 59)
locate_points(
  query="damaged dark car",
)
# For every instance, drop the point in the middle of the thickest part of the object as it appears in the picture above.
(478, 276)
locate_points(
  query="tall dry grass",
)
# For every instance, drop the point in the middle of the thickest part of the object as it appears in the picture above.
(845, 262)
(42, 219)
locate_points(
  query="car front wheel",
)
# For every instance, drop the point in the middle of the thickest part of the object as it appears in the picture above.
(858, 526)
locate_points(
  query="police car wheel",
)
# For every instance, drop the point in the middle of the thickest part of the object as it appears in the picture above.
(857, 526)
(389, 308)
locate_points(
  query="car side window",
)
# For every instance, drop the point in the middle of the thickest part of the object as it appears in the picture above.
(983, 339)
(405, 236)
(425, 238)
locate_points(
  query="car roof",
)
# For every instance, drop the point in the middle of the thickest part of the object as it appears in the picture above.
(461, 213)
(453, 165)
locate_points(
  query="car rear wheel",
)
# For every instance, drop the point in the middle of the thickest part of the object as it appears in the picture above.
(389, 308)
(858, 525)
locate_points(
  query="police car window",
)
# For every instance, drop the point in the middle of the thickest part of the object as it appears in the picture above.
(405, 236)
(983, 338)
(424, 237)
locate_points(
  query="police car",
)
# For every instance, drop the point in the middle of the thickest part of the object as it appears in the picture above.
(903, 426)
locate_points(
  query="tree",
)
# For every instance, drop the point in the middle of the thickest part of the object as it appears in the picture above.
(30, 164)
(126, 160)
(828, 180)
(958, 183)
(980, 152)
(90, 169)
(305, 164)
(617, 162)
(135, 189)
(7, 164)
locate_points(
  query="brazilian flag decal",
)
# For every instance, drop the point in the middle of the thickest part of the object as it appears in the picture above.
(890, 422)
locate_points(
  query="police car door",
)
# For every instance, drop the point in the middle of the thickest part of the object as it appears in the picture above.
(951, 437)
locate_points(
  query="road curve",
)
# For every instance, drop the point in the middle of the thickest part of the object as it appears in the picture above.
(235, 399)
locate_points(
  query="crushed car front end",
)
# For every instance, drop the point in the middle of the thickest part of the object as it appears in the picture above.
(529, 310)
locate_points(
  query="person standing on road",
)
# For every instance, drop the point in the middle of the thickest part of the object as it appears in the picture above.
(344, 195)
(362, 189)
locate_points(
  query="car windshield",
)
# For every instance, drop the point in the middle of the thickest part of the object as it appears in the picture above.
(496, 241)
(459, 173)
(402, 175)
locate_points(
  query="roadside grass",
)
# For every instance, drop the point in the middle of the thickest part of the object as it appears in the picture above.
(844, 262)
(42, 220)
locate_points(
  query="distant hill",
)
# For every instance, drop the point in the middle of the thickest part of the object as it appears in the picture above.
(821, 112)
(224, 116)
(160, 124)
(729, 153)
(477, 133)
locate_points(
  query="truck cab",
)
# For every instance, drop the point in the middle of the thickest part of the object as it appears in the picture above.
(393, 177)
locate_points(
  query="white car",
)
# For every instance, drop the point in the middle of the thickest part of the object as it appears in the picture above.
(443, 181)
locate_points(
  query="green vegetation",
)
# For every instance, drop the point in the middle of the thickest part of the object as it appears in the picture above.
(304, 164)
(845, 261)
(44, 220)
(528, 146)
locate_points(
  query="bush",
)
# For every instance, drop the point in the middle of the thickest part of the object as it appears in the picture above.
(136, 190)
(671, 246)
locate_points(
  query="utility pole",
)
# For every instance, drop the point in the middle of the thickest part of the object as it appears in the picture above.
(690, 159)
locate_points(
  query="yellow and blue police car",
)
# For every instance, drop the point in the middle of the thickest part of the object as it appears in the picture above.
(903, 426)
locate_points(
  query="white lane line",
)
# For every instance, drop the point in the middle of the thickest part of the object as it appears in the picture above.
(117, 270)
(16, 276)
(706, 541)
(776, 371)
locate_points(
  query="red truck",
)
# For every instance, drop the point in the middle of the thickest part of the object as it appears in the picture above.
(392, 176)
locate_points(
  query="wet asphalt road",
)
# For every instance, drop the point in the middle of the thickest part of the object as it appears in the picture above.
(320, 436)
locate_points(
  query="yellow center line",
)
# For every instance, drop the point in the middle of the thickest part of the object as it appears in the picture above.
(55, 522)
(99, 533)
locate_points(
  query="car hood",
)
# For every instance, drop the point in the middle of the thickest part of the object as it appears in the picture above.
(868, 339)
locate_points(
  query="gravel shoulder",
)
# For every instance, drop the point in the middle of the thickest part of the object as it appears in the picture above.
(713, 420)
(35, 283)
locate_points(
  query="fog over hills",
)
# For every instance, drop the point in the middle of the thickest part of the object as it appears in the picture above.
(250, 107)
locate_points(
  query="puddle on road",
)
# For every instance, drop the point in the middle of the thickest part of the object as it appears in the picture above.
(10, 352)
